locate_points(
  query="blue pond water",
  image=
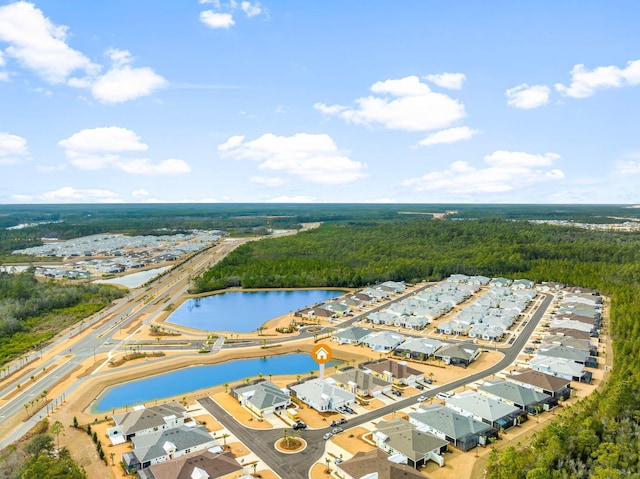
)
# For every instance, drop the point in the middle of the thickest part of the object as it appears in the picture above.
(191, 379)
(243, 312)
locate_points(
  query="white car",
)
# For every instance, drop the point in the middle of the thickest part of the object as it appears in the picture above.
(444, 395)
(422, 399)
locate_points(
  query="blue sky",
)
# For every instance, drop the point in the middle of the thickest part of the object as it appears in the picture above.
(319, 101)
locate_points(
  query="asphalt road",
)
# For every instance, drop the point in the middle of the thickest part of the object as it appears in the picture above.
(296, 466)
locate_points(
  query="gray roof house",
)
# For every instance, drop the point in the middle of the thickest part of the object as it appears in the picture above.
(579, 356)
(482, 408)
(321, 394)
(461, 431)
(458, 354)
(564, 368)
(166, 445)
(418, 348)
(351, 335)
(360, 382)
(525, 398)
(262, 397)
(142, 420)
(383, 341)
(398, 372)
(401, 438)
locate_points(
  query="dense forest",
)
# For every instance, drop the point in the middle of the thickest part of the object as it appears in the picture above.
(597, 438)
(22, 226)
(32, 311)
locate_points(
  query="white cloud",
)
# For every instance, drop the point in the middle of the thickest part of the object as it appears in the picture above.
(313, 157)
(98, 148)
(507, 171)
(22, 198)
(527, 97)
(13, 149)
(451, 135)
(293, 199)
(40, 45)
(452, 81)
(2, 61)
(216, 20)
(267, 181)
(122, 82)
(627, 168)
(231, 143)
(585, 83)
(403, 104)
(141, 193)
(251, 9)
(68, 194)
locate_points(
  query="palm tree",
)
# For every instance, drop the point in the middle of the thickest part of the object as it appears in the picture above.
(224, 439)
(56, 428)
(226, 387)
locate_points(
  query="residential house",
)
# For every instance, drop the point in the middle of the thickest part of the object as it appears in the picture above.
(564, 368)
(321, 394)
(556, 387)
(365, 298)
(209, 464)
(351, 335)
(383, 341)
(579, 356)
(525, 398)
(161, 446)
(397, 372)
(418, 348)
(458, 354)
(360, 383)
(262, 397)
(376, 464)
(378, 294)
(142, 420)
(395, 286)
(500, 282)
(522, 284)
(399, 437)
(482, 408)
(461, 431)
(337, 307)
(582, 344)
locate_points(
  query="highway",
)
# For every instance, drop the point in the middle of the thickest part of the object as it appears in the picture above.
(86, 340)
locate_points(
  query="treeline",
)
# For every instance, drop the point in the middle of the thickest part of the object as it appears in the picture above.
(354, 255)
(33, 311)
(600, 436)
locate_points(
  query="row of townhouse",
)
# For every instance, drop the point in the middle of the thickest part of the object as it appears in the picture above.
(571, 344)
(167, 444)
(457, 354)
(349, 303)
(491, 315)
(420, 309)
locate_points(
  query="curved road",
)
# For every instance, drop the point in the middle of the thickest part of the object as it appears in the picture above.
(297, 466)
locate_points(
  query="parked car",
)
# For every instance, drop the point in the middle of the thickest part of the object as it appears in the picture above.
(422, 399)
(444, 395)
(299, 425)
(420, 387)
(337, 430)
(327, 436)
(349, 410)
(342, 421)
(428, 381)
(338, 460)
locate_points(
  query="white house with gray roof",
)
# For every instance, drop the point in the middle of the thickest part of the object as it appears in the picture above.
(351, 335)
(360, 382)
(418, 348)
(321, 395)
(383, 341)
(525, 398)
(166, 445)
(146, 420)
(262, 397)
(483, 408)
(563, 368)
(461, 431)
